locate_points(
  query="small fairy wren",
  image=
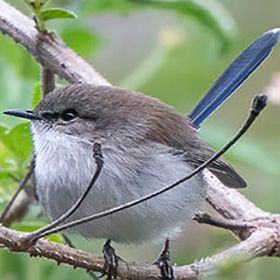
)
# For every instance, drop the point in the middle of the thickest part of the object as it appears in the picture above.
(145, 145)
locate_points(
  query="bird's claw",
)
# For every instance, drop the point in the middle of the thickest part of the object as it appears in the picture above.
(163, 262)
(111, 261)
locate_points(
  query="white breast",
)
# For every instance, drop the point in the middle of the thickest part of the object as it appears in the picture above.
(65, 166)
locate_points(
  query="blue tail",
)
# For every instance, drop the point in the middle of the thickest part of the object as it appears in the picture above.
(238, 71)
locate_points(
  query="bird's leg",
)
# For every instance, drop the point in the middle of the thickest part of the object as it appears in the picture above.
(163, 262)
(111, 261)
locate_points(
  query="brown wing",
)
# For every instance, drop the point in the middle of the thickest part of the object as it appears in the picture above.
(201, 151)
(176, 131)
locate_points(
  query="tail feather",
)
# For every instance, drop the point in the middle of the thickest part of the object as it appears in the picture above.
(237, 72)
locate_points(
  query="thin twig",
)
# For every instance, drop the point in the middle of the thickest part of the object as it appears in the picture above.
(47, 80)
(19, 189)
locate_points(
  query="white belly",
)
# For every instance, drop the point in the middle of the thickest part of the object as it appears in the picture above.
(64, 169)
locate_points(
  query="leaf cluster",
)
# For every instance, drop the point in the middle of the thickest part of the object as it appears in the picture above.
(42, 15)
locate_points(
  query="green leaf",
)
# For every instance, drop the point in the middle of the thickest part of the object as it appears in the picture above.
(56, 13)
(6, 174)
(18, 140)
(3, 131)
(37, 94)
(28, 226)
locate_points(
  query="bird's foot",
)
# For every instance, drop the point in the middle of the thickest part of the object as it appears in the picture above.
(111, 261)
(163, 262)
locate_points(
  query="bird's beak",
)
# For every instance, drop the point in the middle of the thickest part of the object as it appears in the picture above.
(21, 113)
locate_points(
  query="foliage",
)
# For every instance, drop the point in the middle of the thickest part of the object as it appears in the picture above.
(43, 15)
(15, 150)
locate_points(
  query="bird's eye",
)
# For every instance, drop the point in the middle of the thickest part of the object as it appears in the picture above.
(69, 115)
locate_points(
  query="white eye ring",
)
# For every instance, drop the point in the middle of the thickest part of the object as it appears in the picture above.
(69, 115)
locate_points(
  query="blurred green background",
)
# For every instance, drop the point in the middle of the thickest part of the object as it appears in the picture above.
(173, 50)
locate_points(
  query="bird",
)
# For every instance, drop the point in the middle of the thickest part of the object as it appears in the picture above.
(145, 144)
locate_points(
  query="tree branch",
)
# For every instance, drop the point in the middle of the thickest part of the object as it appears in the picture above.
(260, 243)
(261, 240)
(47, 80)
